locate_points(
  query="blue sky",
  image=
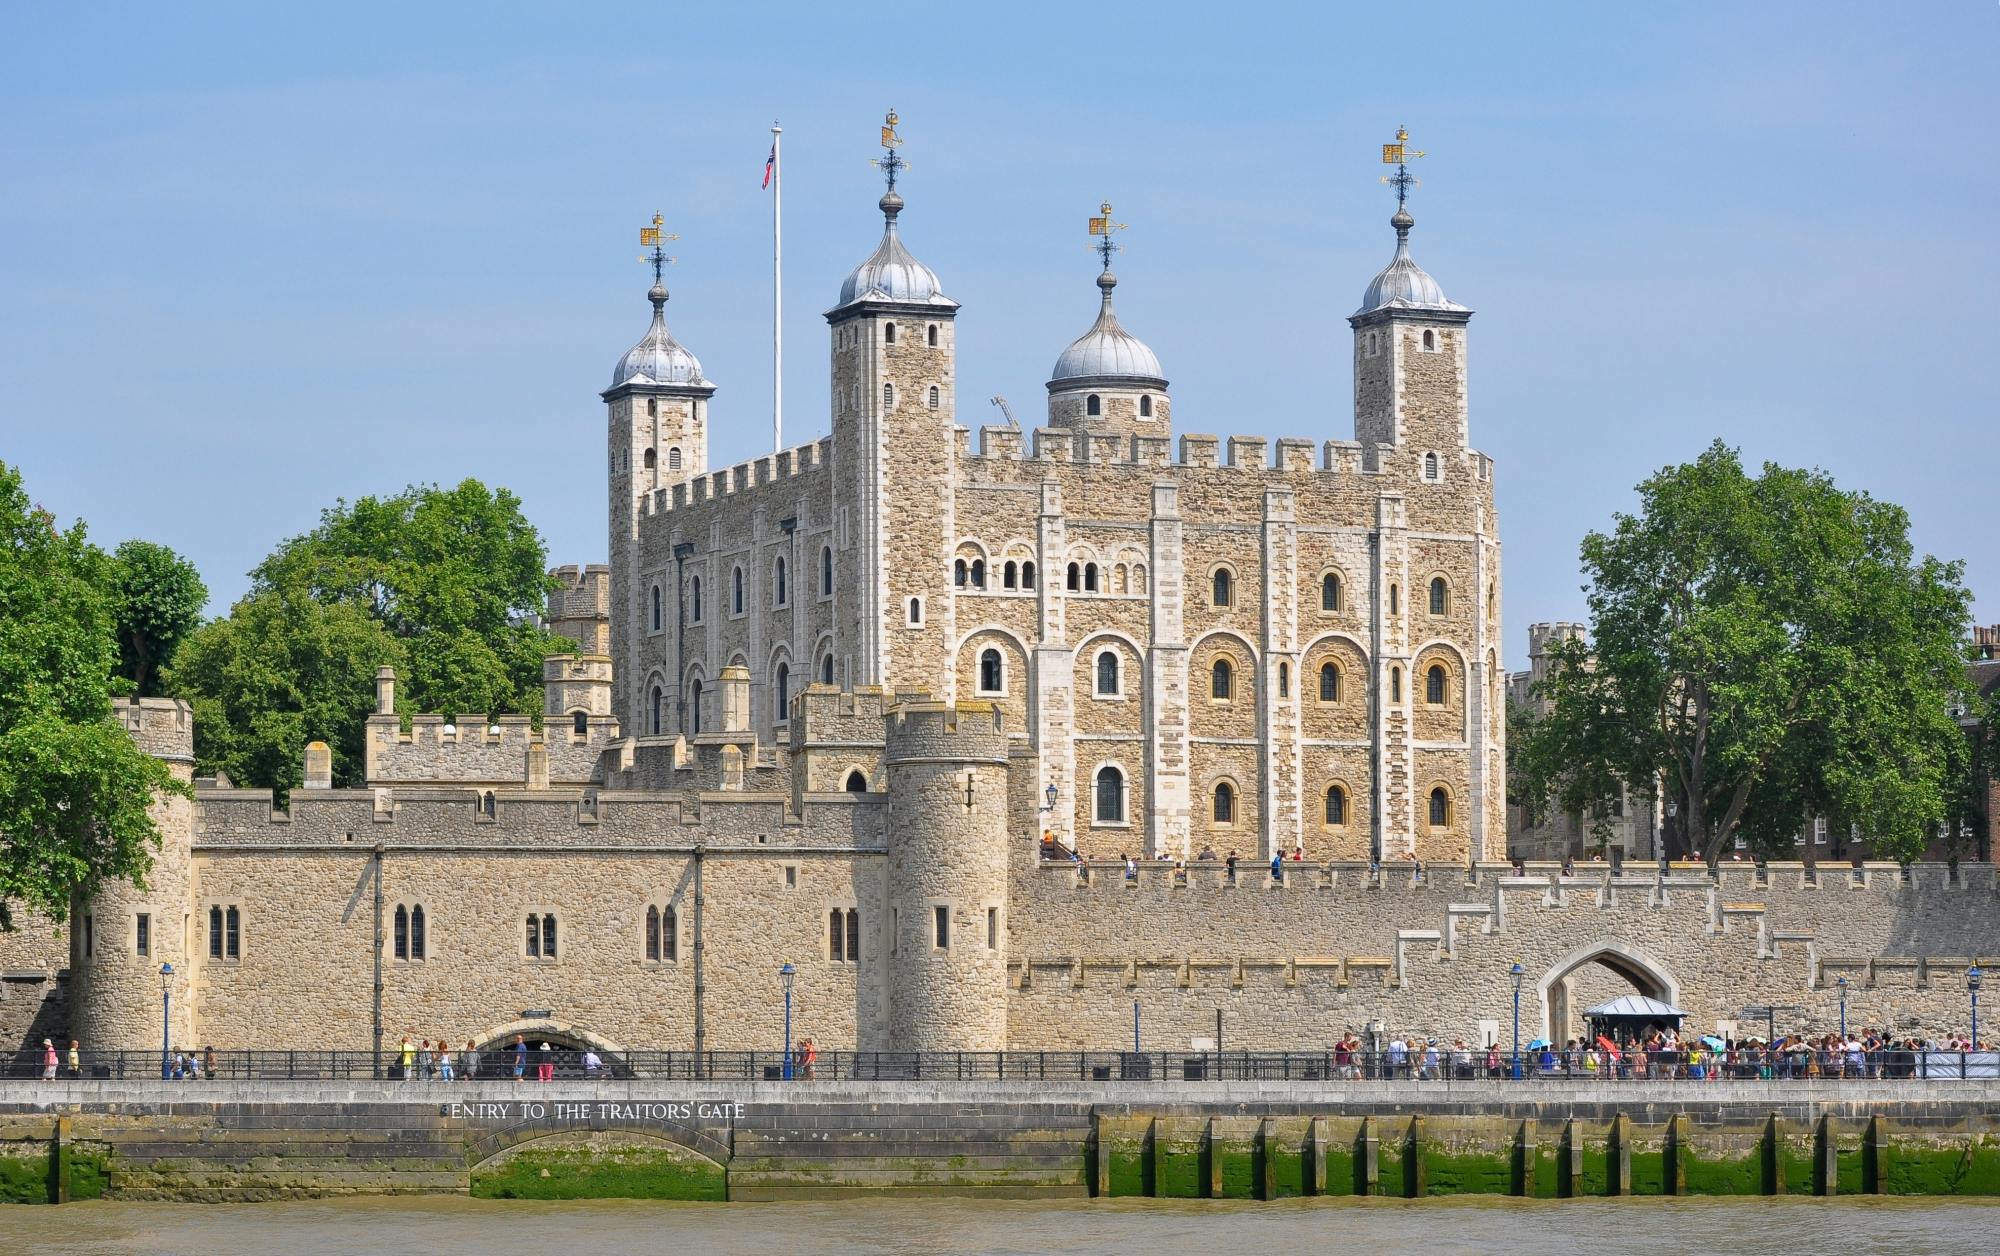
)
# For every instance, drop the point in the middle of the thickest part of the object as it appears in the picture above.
(257, 258)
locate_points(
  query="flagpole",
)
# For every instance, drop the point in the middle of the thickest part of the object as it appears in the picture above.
(777, 292)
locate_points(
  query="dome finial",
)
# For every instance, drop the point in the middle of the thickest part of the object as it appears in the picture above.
(891, 164)
(658, 358)
(656, 237)
(890, 273)
(1107, 350)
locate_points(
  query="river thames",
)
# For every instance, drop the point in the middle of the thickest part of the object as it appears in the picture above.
(1487, 1227)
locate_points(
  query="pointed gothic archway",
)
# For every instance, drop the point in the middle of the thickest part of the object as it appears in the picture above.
(1638, 969)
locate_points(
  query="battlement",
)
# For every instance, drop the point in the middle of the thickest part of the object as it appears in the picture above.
(163, 727)
(582, 592)
(920, 729)
(787, 464)
(1542, 636)
(507, 749)
(1288, 454)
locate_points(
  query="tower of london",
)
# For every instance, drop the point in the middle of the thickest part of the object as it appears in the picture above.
(893, 707)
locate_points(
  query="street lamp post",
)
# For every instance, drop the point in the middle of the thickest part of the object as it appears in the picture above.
(166, 1021)
(1517, 972)
(785, 976)
(1972, 976)
(1842, 983)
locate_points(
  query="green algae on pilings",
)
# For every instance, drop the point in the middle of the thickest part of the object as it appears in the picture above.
(1798, 1160)
(1850, 1170)
(1468, 1173)
(1129, 1169)
(1649, 1168)
(1549, 1170)
(1741, 1175)
(1343, 1170)
(1182, 1169)
(1596, 1162)
(1970, 1168)
(1393, 1169)
(25, 1179)
(1238, 1164)
(1287, 1171)
(600, 1173)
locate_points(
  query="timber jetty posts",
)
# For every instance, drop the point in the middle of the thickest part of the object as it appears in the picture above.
(245, 1141)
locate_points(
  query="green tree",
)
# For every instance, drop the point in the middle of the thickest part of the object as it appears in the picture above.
(281, 670)
(75, 791)
(1763, 650)
(442, 584)
(159, 596)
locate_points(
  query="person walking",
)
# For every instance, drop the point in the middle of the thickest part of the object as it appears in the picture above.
(48, 1060)
(75, 1059)
(520, 1056)
(444, 1060)
(208, 1061)
(811, 1057)
(545, 1071)
(408, 1058)
(469, 1062)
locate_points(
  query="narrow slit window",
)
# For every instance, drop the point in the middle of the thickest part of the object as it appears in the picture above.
(941, 919)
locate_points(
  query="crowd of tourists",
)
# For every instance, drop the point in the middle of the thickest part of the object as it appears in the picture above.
(1660, 1055)
(428, 1061)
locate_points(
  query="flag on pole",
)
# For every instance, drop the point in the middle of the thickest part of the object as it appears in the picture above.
(771, 164)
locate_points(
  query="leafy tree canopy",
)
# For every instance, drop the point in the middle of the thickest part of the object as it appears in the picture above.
(159, 600)
(1762, 650)
(442, 584)
(75, 791)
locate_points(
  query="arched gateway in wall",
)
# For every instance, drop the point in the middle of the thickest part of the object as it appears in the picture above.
(1644, 973)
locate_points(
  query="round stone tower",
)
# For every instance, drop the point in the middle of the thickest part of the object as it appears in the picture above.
(948, 876)
(123, 935)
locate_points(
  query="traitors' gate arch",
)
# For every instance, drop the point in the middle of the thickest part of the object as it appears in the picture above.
(1646, 974)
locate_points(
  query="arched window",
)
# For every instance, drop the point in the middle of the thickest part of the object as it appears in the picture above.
(888, 396)
(1440, 807)
(1395, 684)
(990, 676)
(826, 670)
(541, 938)
(1434, 685)
(1224, 587)
(1075, 576)
(1224, 804)
(694, 707)
(856, 782)
(1107, 672)
(652, 407)
(651, 460)
(1329, 682)
(978, 573)
(670, 934)
(1027, 575)
(1430, 340)
(781, 693)
(1092, 406)
(1110, 795)
(888, 333)
(653, 933)
(1329, 592)
(579, 723)
(1336, 805)
(781, 584)
(736, 590)
(826, 571)
(1430, 466)
(694, 599)
(843, 935)
(1440, 595)
(1009, 574)
(417, 946)
(916, 610)
(402, 931)
(656, 608)
(1090, 577)
(1284, 680)
(1221, 679)
(930, 335)
(488, 803)
(658, 709)
(673, 457)
(958, 573)
(1395, 599)
(934, 396)
(1145, 407)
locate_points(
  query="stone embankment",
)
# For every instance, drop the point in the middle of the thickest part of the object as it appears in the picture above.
(753, 1141)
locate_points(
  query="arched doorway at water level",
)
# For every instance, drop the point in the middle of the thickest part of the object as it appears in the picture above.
(569, 1045)
(1593, 974)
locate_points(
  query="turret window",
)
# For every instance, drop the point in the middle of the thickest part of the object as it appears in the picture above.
(780, 586)
(1440, 808)
(1221, 680)
(1027, 575)
(694, 599)
(978, 573)
(1107, 673)
(959, 573)
(1092, 406)
(1223, 805)
(1329, 682)
(694, 707)
(826, 571)
(579, 723)
(781, 694)
(1145, 407)
(1430, 340)
(735, 590)
(1336, 805)
(1329, 592)
(656, 607)
(1440, 596)
(930, 335)
(934, 397)
(1009, 574)
(888, 396)
(658, 711)
(857, 783)
(673, 457)
(1075, 577)
(916, 611)
(652, 460)
(826, 670)
(1431, 468)
(1395, 684)
(1435, 685)
(1110, 791)
(991, 676)
(888, 333)
(652, 407)
(1284, 680)
(1223, 587)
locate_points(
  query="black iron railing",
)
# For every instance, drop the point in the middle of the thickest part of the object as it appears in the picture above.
(1445, 1067)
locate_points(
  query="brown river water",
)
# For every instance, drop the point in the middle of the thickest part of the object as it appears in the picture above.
(1493, 1227)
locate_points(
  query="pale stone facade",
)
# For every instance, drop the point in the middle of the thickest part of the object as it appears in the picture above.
(827, 702)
